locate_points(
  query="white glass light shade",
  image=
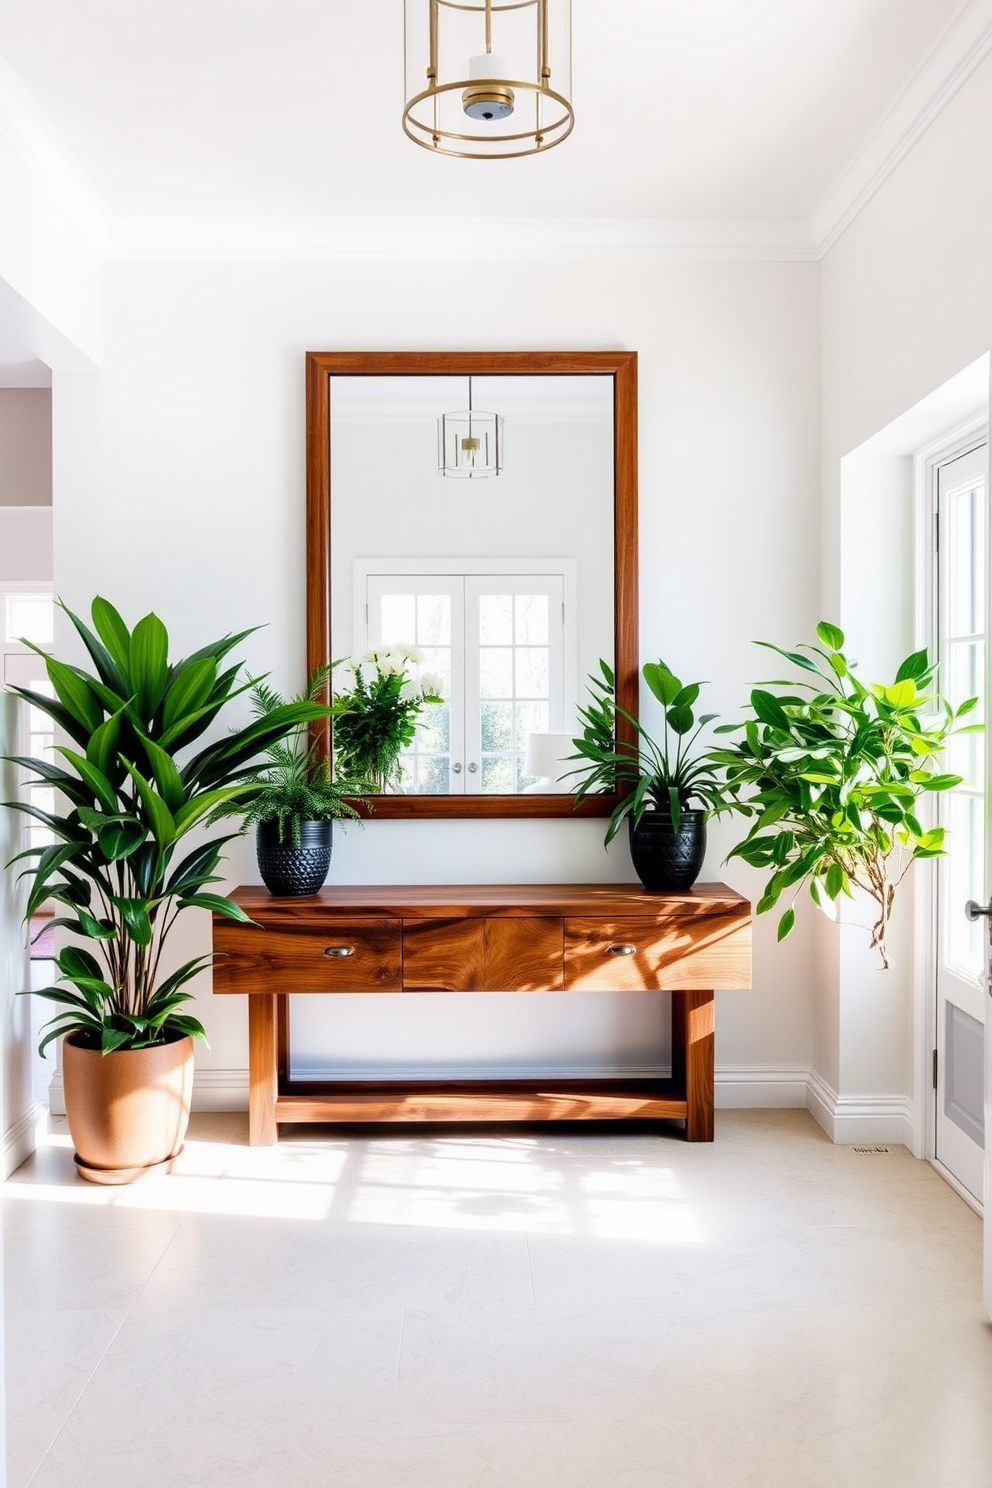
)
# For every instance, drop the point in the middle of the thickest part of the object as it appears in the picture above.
(547, 757)
(488, 79)
(470, 444)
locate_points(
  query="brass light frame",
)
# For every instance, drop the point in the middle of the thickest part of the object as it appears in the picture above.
(426, 111)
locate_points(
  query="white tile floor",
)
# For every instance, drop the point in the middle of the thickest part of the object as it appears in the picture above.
(549, 1308)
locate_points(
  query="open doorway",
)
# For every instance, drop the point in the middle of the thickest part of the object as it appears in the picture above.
(26, 614)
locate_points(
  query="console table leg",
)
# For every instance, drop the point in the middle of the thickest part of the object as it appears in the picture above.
(262, 1070)
(692, 1059)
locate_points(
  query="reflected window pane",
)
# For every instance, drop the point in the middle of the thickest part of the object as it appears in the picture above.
(433, 620)
(496, 619)
(434, 775)
(399, 618)
(497, 726)
(532, 672)
(496, 672)
(499, 776)
(532, 718)
(531, 619)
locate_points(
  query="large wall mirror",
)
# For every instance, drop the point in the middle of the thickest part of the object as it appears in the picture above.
(512, 585)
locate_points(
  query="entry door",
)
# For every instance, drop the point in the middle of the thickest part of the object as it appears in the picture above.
(962, 944)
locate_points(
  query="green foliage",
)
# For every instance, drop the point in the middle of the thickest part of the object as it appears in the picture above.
(669, 775)
(834, 772)
(376, 716)
(294, 781)
(131, 787)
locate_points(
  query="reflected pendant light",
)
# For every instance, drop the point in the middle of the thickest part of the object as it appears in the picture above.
(498, 76)
(470, 442)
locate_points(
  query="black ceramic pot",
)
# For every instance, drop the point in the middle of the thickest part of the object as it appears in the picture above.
(664, 859)
(287, 870)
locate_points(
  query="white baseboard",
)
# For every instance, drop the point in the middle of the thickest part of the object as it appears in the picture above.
(746, 1087)
(738, 1087)
(845, 1119)
(220, 1090)
(860, 1119)
(21, 1138)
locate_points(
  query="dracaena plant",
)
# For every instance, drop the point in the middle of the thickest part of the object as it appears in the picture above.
(130, 790)
(835, 774)
(671, 773)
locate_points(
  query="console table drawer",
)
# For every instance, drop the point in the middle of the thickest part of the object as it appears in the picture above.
(636, 955)
(342, 955)
(483, 954)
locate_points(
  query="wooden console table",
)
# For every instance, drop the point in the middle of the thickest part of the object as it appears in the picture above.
(490, 938)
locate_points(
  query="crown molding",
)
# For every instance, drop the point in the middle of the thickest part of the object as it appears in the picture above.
(463, 239)
(40, 148)
(956, 54)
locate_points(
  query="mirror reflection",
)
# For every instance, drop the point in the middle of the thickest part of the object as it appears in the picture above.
(490, 595)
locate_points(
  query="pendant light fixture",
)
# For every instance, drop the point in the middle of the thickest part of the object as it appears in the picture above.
(498, 76)
(470, 442)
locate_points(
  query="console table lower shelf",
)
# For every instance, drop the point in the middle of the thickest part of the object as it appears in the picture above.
(547, 938)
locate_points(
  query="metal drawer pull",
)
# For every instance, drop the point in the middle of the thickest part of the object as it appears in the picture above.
(621, 950)
(333, 952)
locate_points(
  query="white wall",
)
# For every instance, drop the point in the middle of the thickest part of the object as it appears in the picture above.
(25, 447)
(50, 260)
(179, 484)
(26, 544)
(906, 304)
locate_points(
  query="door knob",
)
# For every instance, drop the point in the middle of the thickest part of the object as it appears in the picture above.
(975, 911)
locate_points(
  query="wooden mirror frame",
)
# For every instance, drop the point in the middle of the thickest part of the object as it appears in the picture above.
(321, 366)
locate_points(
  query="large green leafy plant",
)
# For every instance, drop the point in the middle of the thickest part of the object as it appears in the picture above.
(131, 792)
(669, 774)
(834, 773)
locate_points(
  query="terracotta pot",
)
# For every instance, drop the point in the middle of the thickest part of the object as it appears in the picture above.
(127, 1111)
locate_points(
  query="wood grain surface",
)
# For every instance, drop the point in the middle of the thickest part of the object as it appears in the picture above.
(711, 951)
(285, 955)
(483, 953)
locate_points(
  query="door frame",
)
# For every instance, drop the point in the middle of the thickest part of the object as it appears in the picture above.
(954, 442)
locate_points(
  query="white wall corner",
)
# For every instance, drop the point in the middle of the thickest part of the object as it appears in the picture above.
(868, 1119)
(955, 55)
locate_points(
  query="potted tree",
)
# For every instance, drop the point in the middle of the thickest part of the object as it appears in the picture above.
(835, 774)
(668, 786)
(132, 790)
(296, 799)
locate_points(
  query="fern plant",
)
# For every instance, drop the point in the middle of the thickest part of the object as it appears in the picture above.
(294, 783)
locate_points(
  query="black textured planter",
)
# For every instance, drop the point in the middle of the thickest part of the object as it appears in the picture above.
(289, 871)
(665, 860)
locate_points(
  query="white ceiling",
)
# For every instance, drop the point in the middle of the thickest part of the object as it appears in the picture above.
(740, 121)
(684, 108)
